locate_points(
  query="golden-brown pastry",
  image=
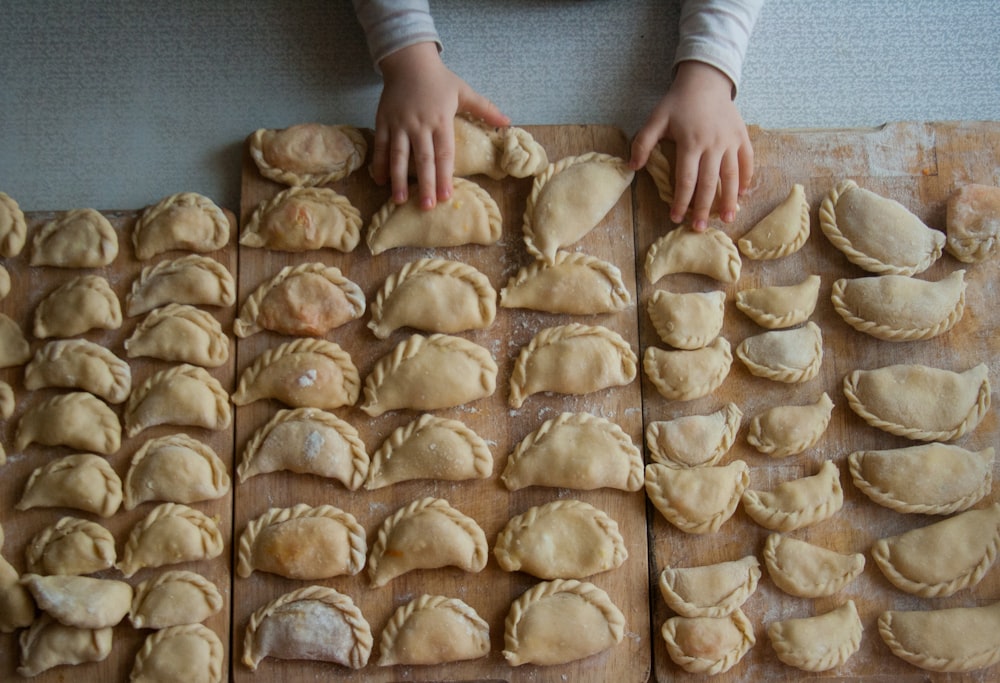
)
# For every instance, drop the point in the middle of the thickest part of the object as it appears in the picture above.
(697, 500)
(79, 420)
(170, 534)
(662, 158)
(688, 320)
(186, 220)
(818, 643)
(496, 152)
(304, 219)
(70, 546)
(17, 608)
(82, 481)
(711, 590)
(972, 222)
(433, 629)
(47, 644)
(14, 347)
(777, 307)
(79, 305)
(806, 570)
(791, 356)
(781, 232)
(13, 229)
(682, 250)
(951, 639)
(175, 468)
(193, 279)
(174, 598)
(694, 440)
(687, 375)
(80, 238)
(308, 153)
(797, 503)
(80, 601)
(574, 283)
(180, 333)
(79, 364)
(190, 652)
(183, 395)
(782, 431)
(708, 645)
(307, 372)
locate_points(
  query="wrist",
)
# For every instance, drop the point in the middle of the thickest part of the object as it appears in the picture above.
(692, 74)
(410, 59)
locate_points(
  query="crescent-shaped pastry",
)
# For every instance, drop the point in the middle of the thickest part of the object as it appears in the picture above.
(687, 375)
(171, 533)
(564, 539)
(952, 639)
(972, 222)
(900, 308)
(175, 468)
(697, 500)
(308, 299)
(782, 431)
(434, 295)
(14, 347)
(302, 542)
(496, 152)
(82, 481)
(308, 153)
(572, 359)
(186, 220)
(781, 232)
(918, 401)
(4, 282)
(561, 621)
(193, 279)
(17, 608)
(80, 601)
(430, 447)
(47, 644)
(433, 629)
(569, 198)
(694, 440)
(791, 356)
(13, 228)
(711, 253)
(313, 623)
(6, 400)
(307, 372)
(927, 479)
(711, 590)
(183, 395)
(574, 283)
(174, 598)
(79, 364)
(575, 451)
(469, 216)
(429, 373)
(818, 643)
(426, 534)
(689, 320)
(79, 305)
(780, 306)
(71, 546)
(805, 570)
(80, 238)
(877, 233)
(797, 503)
(304, 219)
(189, 652)
(79, 420)
(708, 645)
(180, 333)
(942, 558)
(662, 158)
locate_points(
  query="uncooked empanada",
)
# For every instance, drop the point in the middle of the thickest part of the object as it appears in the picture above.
(818, 643)
(694, 440)
(47, 644)
(183, 395)
(561, 621)
(496, 152)
(428, 373)
(687, 375)
(433, 629)
(877, 233)
(80, 238)
(564, 539)
(193, 279)
(660, 165)
(190, 652)
(688, 320)
(782, 431)
(307, 372)
(708, 645)
(14, 347)
(79, 420)
(780, 306)
(950, 639)
(799, 502)
(180, 333)
(13, 228)
(973, 222)
(697, 500)
(574, 283)
(711, 590)
(4, 282)
(682, 250)
(82, 481)
(79, 305)
(17, 609)
(791, 356)
(809, 571)
(174, 598)
(80, 601)
(308, 153)
(79, 364)
(434, 295)
(186, 220)
(71, 546)
(918, 401)
(426, 534)
(304, 219)
(175, 468)
(571, 359)
(171, 533)
(781, 232)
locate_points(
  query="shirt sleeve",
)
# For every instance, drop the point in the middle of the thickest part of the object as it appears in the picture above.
(391, 25)
(717, 32)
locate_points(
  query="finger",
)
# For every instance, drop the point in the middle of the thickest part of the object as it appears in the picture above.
(472, 102)
(423, 161)
(685, 182)
(444, 159)
(729, 174)
(745, 159)
(379, 168)
(705, 193)
(399, 160)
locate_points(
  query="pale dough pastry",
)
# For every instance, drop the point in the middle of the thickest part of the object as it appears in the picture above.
(791, 356)
(782, 431)
(71, 546)
(80, 238)
(79, 364)
(78, 419)
(949, 639)
(182, 395)
(174, 598)
(687, 375)
(694, 440)
(433, 629)
(682, 250)
(973, 222)
(82, 481)
(806, 570)
(574, 283)
(186, 220)
(708, 645)
(711, 590)
(193, 279)
(190, 652)
(182, 334)
(781, 232)
(17, 608)
(308, 153)
(797, 503)
(47, 644)
(80, 601)
(5, 283)
(79, 305)
(304, 219)
(13, 229)
(780, 306)
(689, 320)
(697, 500)
(6, 401)
(818, 643)
(660, 165)
(14, 347)
(496, 152)
(171, 533)
(175, 468)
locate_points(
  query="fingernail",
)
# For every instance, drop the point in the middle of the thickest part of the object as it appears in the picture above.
(729, 216)
(700, 225)
(427, 203)
(676, 218)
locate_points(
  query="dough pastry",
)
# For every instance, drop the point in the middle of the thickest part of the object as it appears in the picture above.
(174, 598)
(71, 546)
(574, 283)
(82, 481)
(175, 468)
(186, 220)
(711, 590)
(789, 430)
(697, 500)
(564, 539)
(428, 373)
(918, 401)
(4, 282)
(781, 232)
(780, 306)
(687, 375)
(710, 253)
(426, 534)
(170, 534)
(17, 608)
(308, 153)
(942, 558)
(877, 233)
(688, 320)
(900, 308)
(80, 601)
(434, 295)
(797, 503)
(190, 652)
(6, 400)
(973, 222)
(470, 216)
(662, 158)
(193, 279)
(927, 479)
(304, 219)
(569, 198)
(572, 359)
(951, 639)
(791, 356)
(47, 644)
(496, 152)
(307, 441)
(575, 451)
(708, 645)
(79, 305)
(309, 299)
(14, 348)
(430, 447)
(180, 333)
(312, 623)
(13, 229)
(183, 395)
(79, 364)
(805, 570)
(561, 621)
(303, 542)
(433, 629)
(307, 372)
(78, 420)
(694, 440)
(80, 238)
(818, 643)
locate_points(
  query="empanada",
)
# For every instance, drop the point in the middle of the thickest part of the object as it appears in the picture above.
(791, 356)
(689, 320)
(799, 502)
(183, 395)
(71, 546)
(78, 305)
(711, 590)
(777, 307)
(13, 229)
(47, 644)
(307, 372)
(687, 375)
(6, 400)
(308, 153)
(694, 440)
(574, 283)
(186, 220)
(4, 282)
(80, 238)
(818, 643)
(79, 420)
(973, 222)
(806, 570)
(175, 468)
(17, 608)
(190, 652)
(697, 500)
(782, 431)
(80, 601)
(14, 347)
(180, 333)
(950, 639)
(174, 598)
(781, 232)
(433, 629)
(496, 152)
(304, 219)
(708, 645)
(82, 481)
(660, 166)
(682, 250)
(79, 364)
(170, 534)
(193, 279)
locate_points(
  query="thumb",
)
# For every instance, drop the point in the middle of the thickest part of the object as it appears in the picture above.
(473, 103)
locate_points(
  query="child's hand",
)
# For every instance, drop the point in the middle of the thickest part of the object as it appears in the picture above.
(698, 114)
(416, 115)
